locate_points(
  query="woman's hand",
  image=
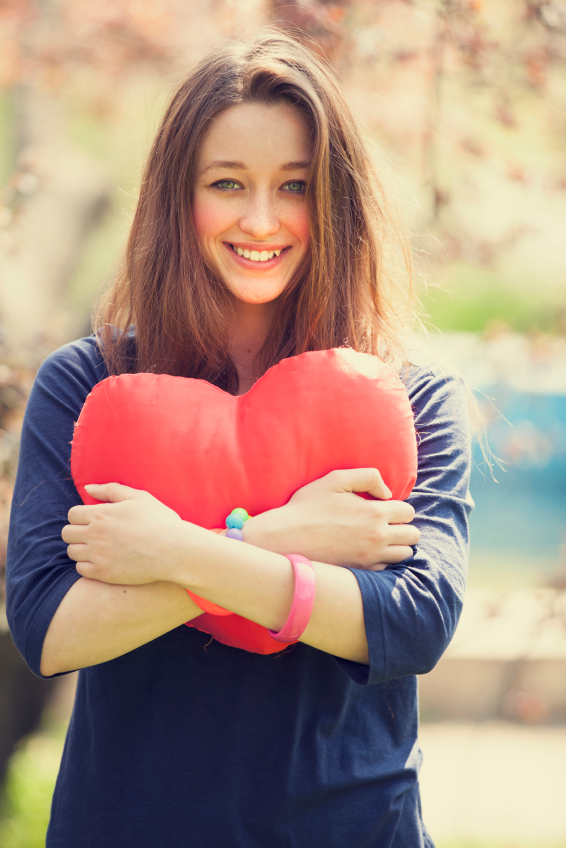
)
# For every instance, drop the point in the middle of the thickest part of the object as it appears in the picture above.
(130, 539)
(327, 522)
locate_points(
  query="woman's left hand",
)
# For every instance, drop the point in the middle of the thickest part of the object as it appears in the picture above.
(129, 539)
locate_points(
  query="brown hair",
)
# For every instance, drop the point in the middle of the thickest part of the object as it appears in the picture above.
(355, 288)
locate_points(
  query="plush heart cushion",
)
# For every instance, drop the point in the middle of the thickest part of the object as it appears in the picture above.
(203, 452)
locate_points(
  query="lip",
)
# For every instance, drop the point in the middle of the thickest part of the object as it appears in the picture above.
(252, 264)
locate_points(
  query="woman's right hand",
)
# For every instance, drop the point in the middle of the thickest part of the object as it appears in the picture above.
(326, 521)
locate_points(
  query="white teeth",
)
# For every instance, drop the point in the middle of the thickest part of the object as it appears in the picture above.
(256, 255)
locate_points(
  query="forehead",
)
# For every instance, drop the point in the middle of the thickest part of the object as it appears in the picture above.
(256, 135)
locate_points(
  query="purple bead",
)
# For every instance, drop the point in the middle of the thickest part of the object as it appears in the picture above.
(234, 533)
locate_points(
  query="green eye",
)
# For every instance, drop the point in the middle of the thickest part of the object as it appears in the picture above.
(227, 185)
(296, 186)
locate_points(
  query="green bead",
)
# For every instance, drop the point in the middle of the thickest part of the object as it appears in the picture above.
(241, 512)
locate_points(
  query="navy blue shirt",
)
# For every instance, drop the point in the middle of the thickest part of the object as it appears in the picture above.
(188, 743)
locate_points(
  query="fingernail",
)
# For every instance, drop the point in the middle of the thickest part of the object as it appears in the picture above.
(388, 492)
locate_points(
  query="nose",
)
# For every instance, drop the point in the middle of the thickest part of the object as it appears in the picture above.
(260, 219)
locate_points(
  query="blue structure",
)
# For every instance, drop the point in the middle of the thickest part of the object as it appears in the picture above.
(519, 524)
(522, 517)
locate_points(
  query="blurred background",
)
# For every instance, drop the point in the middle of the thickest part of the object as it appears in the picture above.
(464, 102)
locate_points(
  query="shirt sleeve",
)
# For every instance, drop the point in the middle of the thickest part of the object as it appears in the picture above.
(38, 571)
(411, 609)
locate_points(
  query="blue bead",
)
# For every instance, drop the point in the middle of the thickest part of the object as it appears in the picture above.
(234, 521)
(234, 533)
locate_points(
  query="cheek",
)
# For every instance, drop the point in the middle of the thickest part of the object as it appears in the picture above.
(298, 223)
(209, 217)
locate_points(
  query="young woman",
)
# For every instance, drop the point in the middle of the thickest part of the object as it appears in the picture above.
(261, 232)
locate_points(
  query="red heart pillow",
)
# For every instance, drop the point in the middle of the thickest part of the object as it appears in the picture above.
(203, 452)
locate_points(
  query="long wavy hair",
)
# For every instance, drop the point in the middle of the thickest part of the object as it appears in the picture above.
(355, 288)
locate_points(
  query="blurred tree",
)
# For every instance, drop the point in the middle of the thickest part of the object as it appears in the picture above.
(469, 98)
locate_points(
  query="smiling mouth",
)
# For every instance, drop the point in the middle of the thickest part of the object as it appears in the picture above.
(258, 255)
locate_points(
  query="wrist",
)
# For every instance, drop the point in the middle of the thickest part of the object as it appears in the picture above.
(268, 530)
(194, 555)
(186, 551)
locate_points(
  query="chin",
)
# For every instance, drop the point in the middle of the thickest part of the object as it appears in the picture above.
(257, 298)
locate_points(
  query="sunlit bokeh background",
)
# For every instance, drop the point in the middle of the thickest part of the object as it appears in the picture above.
(464, 102)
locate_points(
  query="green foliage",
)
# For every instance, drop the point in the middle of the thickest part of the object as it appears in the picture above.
(29, 787)
(472, 299)
(7, 141)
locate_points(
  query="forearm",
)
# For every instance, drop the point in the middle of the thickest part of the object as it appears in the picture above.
(96, 622)
(259, 585)
(131, 538)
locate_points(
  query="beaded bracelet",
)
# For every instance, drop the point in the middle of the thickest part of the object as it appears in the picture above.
(235, 522)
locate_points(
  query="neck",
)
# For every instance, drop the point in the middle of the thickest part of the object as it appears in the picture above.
(249, 331)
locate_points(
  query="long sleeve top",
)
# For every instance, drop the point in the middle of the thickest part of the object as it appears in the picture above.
(188, 742)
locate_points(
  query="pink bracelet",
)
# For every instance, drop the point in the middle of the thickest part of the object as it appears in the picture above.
(303, 600)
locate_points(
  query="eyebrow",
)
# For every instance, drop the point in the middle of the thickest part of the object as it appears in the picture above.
(223, 163)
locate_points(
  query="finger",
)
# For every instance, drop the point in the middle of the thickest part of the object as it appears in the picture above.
(405, 511)
(79, 553)
(113, 492)
(79, 515)
(404, 534)
(74, 534)
(362, 480)
(395, 512)
(87, 569)
(394, 554)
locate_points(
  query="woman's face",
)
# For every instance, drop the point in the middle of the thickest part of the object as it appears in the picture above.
(248, 200)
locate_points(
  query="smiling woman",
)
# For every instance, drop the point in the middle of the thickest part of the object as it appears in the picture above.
(250, 214)
(263, 260)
